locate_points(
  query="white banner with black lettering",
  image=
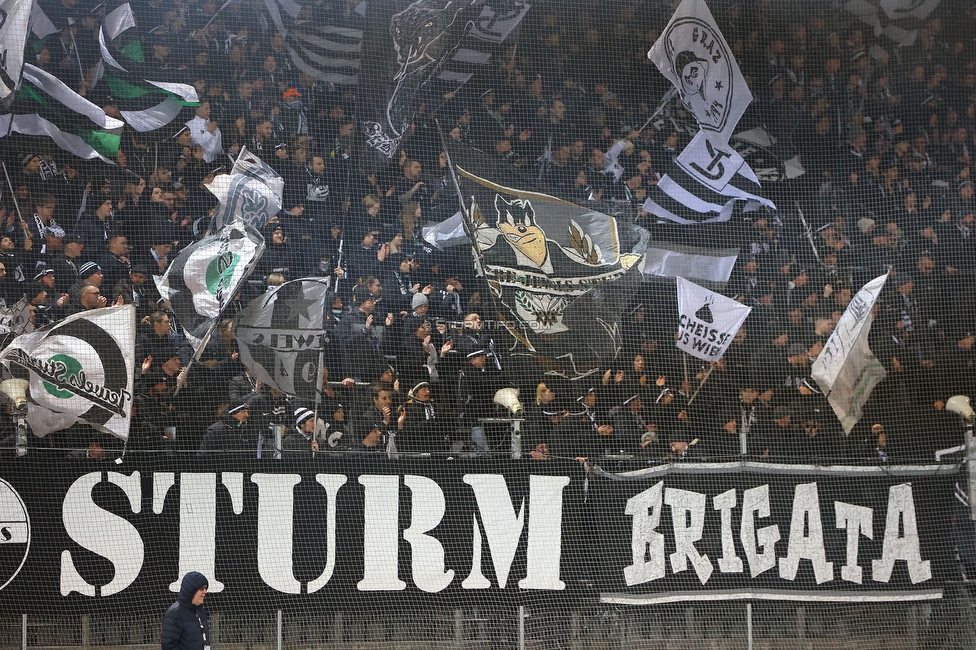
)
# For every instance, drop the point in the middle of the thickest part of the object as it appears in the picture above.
(707, 320)
(846, 369)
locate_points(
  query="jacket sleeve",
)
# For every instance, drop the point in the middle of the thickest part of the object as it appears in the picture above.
(172, 632)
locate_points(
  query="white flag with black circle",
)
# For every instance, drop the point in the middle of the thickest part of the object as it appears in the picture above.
(204, 277)
(707, 320)
(79, 370)
(692, 53)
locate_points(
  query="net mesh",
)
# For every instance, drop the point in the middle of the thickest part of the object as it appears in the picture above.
(426, 325)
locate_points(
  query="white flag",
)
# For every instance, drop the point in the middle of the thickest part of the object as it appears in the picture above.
(14, 29)
(693, 55)
(707, 321)
(79, 370)
(250, 193)
(119, 20)
(846, 369)
(447, 233)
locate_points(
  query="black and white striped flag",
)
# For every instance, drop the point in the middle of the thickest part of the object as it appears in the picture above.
(704, 184)
(330, 53)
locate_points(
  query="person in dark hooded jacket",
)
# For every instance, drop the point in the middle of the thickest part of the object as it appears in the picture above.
(185, 623)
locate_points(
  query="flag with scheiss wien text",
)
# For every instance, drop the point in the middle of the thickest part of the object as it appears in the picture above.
(78, 370)
(280, 335)
(707, 321)
(204, 277)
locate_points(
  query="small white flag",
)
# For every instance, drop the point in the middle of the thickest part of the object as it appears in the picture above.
(707, 321)
(846, 369)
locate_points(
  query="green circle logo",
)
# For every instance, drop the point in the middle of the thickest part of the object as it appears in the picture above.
(72, 368)
(220, 271)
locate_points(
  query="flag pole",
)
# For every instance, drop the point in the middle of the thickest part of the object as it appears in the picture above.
(704, 379)
(81, 68)
(465, 222)
(13, 195)
(668, 96)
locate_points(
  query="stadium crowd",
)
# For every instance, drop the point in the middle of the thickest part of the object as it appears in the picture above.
(417, 353)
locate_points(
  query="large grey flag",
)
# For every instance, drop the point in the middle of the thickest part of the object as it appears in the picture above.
(280, 336)
(560, 273)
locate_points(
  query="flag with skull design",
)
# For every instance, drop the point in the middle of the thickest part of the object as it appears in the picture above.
(561, 273)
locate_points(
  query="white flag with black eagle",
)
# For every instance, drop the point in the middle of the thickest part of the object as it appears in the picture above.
(707, 321)
(206, 275)
(79, 370)
(252, 192)
(280, 336)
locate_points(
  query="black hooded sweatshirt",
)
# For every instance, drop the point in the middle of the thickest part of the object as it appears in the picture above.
(185, 625)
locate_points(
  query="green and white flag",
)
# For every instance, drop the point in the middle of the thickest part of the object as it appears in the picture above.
(206, 275)
(79, 370)
(61, 93)
(34, 124)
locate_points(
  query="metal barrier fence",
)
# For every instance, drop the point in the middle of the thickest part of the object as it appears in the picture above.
(947, 624)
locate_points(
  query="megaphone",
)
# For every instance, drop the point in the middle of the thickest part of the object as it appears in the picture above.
(16, 391)
(958, 404)
(508, 398)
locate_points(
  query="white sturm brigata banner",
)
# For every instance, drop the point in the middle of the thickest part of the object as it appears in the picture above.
(846, 369)
(434, 532)
(707, 321)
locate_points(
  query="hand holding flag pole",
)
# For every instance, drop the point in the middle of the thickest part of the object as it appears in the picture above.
(13, 194)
